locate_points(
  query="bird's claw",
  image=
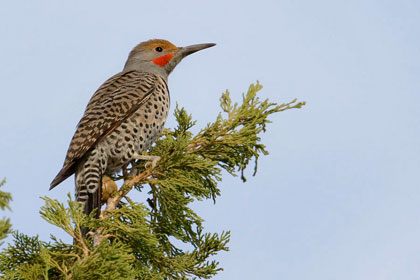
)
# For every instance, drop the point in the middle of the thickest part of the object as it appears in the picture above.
(151, 160)
(152, 163)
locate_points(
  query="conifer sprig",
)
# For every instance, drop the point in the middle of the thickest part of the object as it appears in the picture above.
(5, 225)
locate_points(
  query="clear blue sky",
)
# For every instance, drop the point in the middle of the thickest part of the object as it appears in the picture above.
(338, 196)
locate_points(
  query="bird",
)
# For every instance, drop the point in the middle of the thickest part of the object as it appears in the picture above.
(123, 118)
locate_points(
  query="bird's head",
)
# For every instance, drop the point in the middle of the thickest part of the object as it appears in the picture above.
(159, 56)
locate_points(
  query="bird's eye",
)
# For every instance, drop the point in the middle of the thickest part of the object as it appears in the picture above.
(159, 49)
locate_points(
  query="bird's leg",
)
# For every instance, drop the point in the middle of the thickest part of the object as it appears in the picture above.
(152, 160)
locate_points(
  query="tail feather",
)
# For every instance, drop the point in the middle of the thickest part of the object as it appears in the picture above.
(64, 173)
(93, 203)
(88, 181)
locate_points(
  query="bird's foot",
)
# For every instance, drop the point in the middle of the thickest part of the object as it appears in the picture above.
(152, 160)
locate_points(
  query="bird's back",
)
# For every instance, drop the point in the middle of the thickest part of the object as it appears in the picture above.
(113, 103)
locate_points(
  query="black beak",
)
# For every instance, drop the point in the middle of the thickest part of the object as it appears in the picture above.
(184, 51)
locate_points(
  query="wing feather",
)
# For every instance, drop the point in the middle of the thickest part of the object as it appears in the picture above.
(116, 100)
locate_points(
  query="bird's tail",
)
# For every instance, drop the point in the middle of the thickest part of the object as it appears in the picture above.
(93, 203)
(88, 179)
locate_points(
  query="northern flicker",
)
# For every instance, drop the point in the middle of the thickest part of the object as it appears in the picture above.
(124, 117)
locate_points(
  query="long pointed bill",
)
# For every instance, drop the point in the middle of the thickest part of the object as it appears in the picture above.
(183, 52)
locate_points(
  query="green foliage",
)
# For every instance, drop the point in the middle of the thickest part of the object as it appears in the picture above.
(164, 238)
(5, 226)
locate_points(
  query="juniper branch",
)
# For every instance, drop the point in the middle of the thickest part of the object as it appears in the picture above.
(135, 240)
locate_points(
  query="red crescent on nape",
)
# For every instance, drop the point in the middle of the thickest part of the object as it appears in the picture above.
(163, 60)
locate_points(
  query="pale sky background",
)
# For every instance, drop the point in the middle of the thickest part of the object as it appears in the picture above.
(338, 196)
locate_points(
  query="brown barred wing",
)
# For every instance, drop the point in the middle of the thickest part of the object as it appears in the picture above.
(116, 100)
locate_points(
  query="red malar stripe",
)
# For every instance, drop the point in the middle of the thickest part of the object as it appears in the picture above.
(162, 60)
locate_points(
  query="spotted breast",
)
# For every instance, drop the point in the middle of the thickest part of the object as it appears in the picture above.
(135, 134)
